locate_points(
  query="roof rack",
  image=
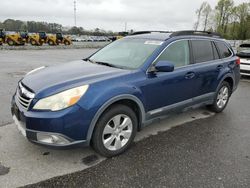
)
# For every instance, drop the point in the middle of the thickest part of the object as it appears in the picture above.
(148, 32)
(198, 33)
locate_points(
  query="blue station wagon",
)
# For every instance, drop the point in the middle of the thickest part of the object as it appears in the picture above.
(106, 98)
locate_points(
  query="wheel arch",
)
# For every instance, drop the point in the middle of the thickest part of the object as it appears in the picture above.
(127, 99)
(227, 78)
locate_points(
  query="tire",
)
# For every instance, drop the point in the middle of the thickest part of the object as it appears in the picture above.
(33, 42)
(10, 42)
(221, 98)
(108, 129)
(66, 43)
(51, 43)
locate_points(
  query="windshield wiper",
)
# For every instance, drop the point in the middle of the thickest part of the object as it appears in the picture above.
(104, 63)
(90, 60)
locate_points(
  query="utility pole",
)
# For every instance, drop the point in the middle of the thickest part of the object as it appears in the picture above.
(75, 12)
(125, 26)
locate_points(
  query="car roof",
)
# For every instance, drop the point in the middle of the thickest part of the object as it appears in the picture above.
(165, 35)
(151, 36)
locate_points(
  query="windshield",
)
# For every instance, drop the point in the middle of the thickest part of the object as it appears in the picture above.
(126, 53)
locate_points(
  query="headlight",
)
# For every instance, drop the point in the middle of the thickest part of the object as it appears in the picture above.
(61, 100)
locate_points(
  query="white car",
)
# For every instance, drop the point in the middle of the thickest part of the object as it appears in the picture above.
(244, 54)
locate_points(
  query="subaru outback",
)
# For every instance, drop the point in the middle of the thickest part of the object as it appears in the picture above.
(105, 99)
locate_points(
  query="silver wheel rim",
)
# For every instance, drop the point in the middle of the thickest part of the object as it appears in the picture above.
(222, 97)
(117, 132)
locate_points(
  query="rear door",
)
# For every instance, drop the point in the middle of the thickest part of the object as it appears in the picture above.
(207, 65)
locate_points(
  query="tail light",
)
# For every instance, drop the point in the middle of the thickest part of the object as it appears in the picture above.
(238, 61)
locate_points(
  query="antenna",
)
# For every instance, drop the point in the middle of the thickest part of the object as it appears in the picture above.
(75, 12)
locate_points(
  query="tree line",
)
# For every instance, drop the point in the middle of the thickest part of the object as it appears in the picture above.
(232, 22)
(33, 27)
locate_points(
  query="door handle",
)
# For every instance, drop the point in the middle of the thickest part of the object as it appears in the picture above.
(190, 75)
(219, 67)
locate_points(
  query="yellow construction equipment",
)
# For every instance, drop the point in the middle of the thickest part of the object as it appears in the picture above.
(37, 39)
(120, 35)
(59, 38)
(14, 39)
(2, 36)
(24, 35)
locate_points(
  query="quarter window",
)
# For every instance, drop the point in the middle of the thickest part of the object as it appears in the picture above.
(223, 49)
(216, 55)
(177, 53)
(202, 51)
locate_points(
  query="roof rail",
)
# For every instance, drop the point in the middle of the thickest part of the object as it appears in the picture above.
(198, 33)
(148, 32)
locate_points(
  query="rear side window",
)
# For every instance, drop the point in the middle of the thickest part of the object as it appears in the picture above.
(216, 55)
(223, 50)
(202, 51)
(177, 53)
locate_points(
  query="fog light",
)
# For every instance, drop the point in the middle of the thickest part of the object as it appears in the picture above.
(51, 139)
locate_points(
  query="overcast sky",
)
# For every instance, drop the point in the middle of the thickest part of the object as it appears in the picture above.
(108, 14)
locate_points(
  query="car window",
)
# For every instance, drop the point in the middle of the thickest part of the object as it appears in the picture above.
(215, 51)
(177, 53)
(202, 51)
(223, 49)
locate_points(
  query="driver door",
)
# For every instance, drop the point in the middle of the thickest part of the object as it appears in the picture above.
(166, 90)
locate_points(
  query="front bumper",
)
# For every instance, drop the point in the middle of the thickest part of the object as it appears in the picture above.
(58, 129)
(245, 67)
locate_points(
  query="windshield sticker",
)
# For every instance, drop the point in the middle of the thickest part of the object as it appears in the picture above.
(153, 42)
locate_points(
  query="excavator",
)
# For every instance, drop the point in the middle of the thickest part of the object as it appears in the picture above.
(59, 38)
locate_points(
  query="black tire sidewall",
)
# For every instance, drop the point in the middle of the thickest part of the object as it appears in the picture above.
(103, 120)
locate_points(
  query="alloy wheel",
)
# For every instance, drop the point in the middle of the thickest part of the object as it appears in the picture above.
(222, 97)
(117, 132)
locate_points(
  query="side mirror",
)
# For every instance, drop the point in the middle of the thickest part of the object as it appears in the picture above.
(164, 66)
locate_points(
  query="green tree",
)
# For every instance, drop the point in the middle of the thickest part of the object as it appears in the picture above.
(199, 13)
(206, 12)
(223, 12)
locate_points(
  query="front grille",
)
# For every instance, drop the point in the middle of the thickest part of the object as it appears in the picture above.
(24, 96)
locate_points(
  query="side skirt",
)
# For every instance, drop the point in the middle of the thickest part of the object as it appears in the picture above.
(182, 106)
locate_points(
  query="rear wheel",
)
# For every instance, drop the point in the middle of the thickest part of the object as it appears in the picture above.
(222, 98)
(115, 131)
(66, 43)
(10, 42)
(51, 43)
(33, 42)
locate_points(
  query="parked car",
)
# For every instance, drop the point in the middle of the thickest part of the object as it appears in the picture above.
(106, 98)
(244, 54)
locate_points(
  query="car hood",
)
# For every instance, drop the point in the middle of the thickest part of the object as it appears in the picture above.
(55, 78)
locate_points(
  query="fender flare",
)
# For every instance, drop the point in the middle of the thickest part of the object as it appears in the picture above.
(110, 102)
(228, 75)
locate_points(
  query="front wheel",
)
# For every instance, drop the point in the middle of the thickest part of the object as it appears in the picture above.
(115, 131)
(222, 98)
